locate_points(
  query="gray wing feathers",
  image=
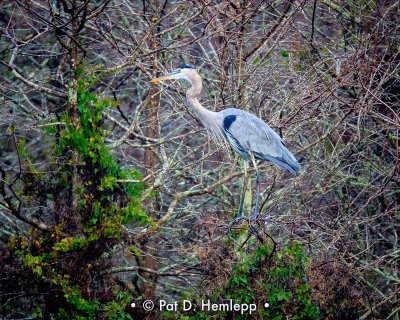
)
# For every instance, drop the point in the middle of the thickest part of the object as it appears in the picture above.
(254, 134)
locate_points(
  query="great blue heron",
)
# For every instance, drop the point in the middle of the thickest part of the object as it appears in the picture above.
(248, 135)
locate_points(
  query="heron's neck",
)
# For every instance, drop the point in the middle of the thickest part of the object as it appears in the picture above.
(206, 116)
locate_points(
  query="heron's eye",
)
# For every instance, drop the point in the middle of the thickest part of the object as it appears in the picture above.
(179, 70)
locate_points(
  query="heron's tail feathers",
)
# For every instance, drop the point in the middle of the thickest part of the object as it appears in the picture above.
(287, 161)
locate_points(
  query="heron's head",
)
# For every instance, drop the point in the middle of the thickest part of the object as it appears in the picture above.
(183, 72)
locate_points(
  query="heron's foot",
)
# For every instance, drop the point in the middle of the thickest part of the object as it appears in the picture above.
(236, 220)
(254, 216)
(250, 219)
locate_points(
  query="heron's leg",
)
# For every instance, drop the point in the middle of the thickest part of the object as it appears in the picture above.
(245, 180)
(255, 213)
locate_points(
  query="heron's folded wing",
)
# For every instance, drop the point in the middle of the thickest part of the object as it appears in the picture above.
(255, 135)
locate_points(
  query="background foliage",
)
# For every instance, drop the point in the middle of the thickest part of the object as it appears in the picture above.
(111, 192)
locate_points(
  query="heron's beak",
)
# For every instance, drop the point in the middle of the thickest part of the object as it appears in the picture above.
(171, 75)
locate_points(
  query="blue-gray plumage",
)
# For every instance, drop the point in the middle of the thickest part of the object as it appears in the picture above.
(248, 135)
(247, 132)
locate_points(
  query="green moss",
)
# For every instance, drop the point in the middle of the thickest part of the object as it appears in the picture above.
(62, 261)
(278, 279)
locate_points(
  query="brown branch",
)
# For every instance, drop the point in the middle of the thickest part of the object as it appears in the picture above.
(16, 210)
(270, 32)
(140, 268)
(32, 84)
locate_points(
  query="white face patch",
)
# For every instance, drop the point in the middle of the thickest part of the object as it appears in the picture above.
(181, 74)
